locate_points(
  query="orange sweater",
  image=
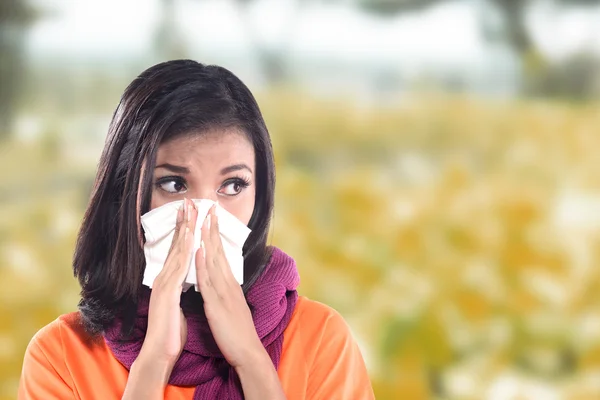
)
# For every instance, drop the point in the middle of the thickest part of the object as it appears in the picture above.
(320, 360)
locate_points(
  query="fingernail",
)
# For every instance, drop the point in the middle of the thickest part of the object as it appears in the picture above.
(187, 230)
(208, 221)
(203, 248)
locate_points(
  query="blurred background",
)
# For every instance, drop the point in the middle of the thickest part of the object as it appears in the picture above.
(438, 178)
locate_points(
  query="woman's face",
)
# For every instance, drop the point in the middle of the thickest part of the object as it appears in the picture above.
(218, 165)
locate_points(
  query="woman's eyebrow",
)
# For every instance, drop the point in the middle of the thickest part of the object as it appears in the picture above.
(235, 167)
(174, 168)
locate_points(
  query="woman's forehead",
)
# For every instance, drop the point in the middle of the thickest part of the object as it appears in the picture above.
(215, 146)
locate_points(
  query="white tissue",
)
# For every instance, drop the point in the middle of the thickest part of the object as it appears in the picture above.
(159, 228)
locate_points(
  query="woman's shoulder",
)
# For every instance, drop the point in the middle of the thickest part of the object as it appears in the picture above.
(51, 333)
(62, 358)
(320, 343)
(312, 310)
(65, 322)
(65, 331)
(44, 358)
(318, 322)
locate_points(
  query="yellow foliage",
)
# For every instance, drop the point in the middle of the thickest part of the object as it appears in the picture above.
(448, 231)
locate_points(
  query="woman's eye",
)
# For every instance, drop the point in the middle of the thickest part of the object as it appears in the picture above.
(233, 188)
(172, 186)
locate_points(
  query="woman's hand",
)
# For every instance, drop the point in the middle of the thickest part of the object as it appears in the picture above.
(167, 327)
(225, 306)
(230, 319)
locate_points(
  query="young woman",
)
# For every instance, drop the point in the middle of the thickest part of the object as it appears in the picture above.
(185, 131)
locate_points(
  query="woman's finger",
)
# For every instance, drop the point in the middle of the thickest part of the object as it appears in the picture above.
(220, 258)
(214, 232)
(182, 217)
(205, 285)
(184, 223)
(216, 246)
(178, 224)
(211, 250)
(207, 240)
(186, 240)
(174, 249)
(178, 261)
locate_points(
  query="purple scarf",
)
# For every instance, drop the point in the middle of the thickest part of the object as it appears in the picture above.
(272, 299)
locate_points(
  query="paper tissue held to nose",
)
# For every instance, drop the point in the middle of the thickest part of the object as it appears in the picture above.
(159, 229)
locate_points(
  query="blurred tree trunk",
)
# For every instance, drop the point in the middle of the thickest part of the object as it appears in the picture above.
(517, 36)
(15, 18)
(540, 77)
(273, 65)
(513, 31)
(516, 32)
(272, 61)
(168, 42)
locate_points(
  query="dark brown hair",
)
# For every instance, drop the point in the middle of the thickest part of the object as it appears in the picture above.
(169, 99)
